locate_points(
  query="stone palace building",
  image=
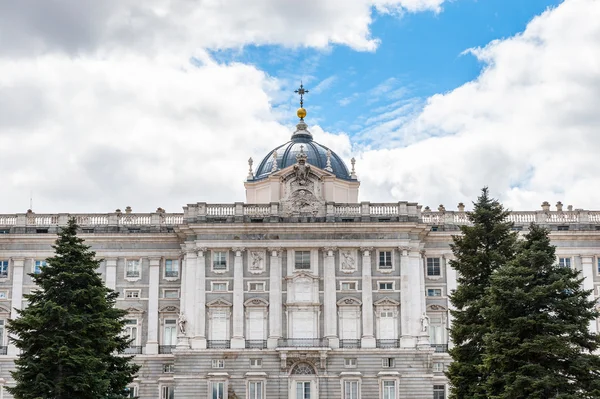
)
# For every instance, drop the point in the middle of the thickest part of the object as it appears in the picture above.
(301, 292)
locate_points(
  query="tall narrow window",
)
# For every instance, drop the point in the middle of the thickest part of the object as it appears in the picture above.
(170, 332)
(385, 259)
(389, 389)
(172, 268)
(302, 260)
(433, 267)
(167, 392)
(255, 390)
(132, 269)
(350, 389)
(387, 324)
(256, 324)
(439, 392)
(436, 331)
(303, 390)
(37, 266)
(131, 330)
(217, 390)
(3, 268)
(219, 320)
(564, 262)
(1, 332)
(131, 391)
(219, 260)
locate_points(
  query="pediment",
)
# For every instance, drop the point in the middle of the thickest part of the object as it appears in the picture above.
(386, 302)
(133, 310)
(436, 308)
(290, 172)
(169, 309)
(220, 302)
(349, 301)
(302, 274)
(256, 302)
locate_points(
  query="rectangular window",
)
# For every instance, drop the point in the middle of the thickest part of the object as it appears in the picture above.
(350, 389)
(439, 392)
(303, 390)
(256, 363)
(170, 332)
(564, 262)
(217, 390)
(131, 330)
(170, 294)
(220, 260)
(172, 268)
(434, 292)
(132, 269)
(386, 285)
(387, 362)
(350, 362)
(218, 364)
(3, 294)
(385, 259)
(433, 267)
(3, 268)
(131, 391)
(389, 389)
(348, 286)
(302, 260)
(37, 267)
(167, 392)
(168, 368)
(256, 286)
(438, 367)
(219, 286)
(132, 293)
(255, 390)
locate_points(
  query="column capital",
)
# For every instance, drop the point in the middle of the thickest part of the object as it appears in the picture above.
(155, 260)
(587, 258)
(366, 251)
(201, 250)
(329, 250)
(275, 251)
(410, 251)
(238, 250)
(18, 259)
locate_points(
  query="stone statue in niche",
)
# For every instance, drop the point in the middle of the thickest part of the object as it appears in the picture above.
(256, 262)
(348, 262)
(301, 168)
(181, 321)
(424, 323)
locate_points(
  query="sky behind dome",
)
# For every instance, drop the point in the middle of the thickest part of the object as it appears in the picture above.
(161, 103)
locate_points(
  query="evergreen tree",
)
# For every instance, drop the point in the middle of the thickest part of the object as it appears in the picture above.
(483, 247)
(539, 341)
(70, 334)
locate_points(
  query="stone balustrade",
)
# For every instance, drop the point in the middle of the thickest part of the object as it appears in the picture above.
(240, 212)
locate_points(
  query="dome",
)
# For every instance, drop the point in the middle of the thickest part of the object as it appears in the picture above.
(316, 155)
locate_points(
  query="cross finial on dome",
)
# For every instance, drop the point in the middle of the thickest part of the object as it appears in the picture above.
(301, 91)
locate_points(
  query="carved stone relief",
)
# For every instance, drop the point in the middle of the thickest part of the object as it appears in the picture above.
(347, 261)
(256, 262)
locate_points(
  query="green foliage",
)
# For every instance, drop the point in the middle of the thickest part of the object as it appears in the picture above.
(483, 247)
(539, 343)
(70, 334)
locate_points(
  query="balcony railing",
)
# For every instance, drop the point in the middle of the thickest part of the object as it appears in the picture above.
(218, 344)
(172, 273)
(3, 350)
(303, 342)
(256, 344)
(165, 349)
(349, 343)
(388, 343)
(133, 350)
(440, 348)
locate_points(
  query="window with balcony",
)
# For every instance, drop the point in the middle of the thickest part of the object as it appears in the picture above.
(302, 260)
(170, 332)
(434, 292)
(132, 269)
(564, 262)
(132, 331)
(3, 268)
(219, 262)
(37, 266)
(439, 392)
(172, 268)
(433, 267)
(385, 260)
(351, 389)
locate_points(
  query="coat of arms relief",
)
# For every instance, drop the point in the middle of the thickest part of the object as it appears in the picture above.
(302, 191)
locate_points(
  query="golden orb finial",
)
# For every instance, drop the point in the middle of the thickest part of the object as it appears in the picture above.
(301, 113)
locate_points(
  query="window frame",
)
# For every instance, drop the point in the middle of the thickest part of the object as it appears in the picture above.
(438, 390)
(217, 381)
(350, 362)
(136, 291)
(440, 289)
(379, 283)
(217, 364)
(213, 283)
(386, 269)
(126, 269)
(4, 263)
(165, 271)
(5, 296)
(213, 254)
(388, 362)
(137, 325)
(302, 252)
(176, 290)
(382, 387)
(168, 368)
(344, 390)
(257, 361)
(354, 282)
(262, 383)
(564, 261)
(171, 321)
(135, 389)
(168, 389)
(264, 285)
(35, 268)
(433, 265)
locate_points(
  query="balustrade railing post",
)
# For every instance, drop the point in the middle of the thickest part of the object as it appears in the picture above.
(63, 219)
(365, 211)
(582, 216)
(330, 211)
(449, 217)
(274, 212)
(21, 219)
(541, 217)
(402, 208)
(113, 219)
(239, 211)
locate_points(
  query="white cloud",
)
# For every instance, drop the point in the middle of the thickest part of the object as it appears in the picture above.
(527, 126)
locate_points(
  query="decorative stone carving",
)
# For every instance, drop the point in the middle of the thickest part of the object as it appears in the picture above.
(301, 168)
(349, 301)
(181, 322)
(256, 262)
(219, 303)
(437, 308)
(256, 302)
(303, 369)
(424, 323)
(386, 302)
(169, 309)
(302, 203)
(347, 261)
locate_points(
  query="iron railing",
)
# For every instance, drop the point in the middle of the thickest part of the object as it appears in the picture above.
(133, 350)
(165, 349)
(172, 273)
(388, 343)
(303, 342)
(218, 344)
(349, 343)
(440, 348)
(256, 344)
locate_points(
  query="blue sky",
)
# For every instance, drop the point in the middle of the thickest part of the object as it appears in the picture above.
(420, 54)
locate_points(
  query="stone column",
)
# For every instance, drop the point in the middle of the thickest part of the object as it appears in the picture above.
(587, 270)
(237, 339)
(153, 283)
(111, 273)
(368, 336)
(329, 298)
(410, 306)
(17, 296)
(450, 286)
(275, 300)
(199, 340)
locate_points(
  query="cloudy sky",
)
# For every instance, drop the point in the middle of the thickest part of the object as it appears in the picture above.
(105, 104)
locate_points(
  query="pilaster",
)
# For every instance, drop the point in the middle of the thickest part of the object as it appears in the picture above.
(199, 340)
(111, 273)
(275, 300)
(368, 336)
(410, 309)
(17, 296)
(451, 286)
(153, 282)
(329, 296)
(587, 269)
(237, 339)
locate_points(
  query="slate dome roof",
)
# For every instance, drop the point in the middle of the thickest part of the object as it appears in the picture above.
(315, 152)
